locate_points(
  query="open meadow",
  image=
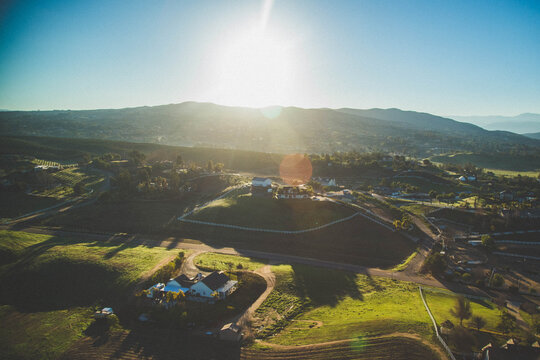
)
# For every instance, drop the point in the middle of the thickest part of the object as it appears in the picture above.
(59, 283)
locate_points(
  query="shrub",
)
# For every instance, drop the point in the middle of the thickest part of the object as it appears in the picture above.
(498, 280)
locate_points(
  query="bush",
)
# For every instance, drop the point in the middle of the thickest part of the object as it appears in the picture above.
(466, 277)
(434, 263)
(498, 280)
(168, 270)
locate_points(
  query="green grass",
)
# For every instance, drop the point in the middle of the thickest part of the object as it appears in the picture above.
(57, 282)
(15, 204)
(440, 305)
(212, 261)
(511, 173)
(40, 335)
(348, 305)
(267, 213)
(405, 263)
(504, 162)
(13, 244)
(418, 209)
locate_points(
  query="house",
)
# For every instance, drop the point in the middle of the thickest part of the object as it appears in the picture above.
(230, 332)
(462, 178)
(292, 192)
(215, 283)
(102, 314)
(261, 182)
(506, 195)
(509, 351)
(327, 181)
(182, 283)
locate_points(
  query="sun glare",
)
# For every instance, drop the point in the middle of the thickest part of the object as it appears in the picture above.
(255, 69)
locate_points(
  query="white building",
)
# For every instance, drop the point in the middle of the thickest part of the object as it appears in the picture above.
(216, 283)
(261, 182)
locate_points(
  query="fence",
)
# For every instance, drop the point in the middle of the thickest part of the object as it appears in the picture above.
(435, 326)
(236, 227)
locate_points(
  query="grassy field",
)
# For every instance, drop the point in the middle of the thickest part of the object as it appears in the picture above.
(425, 185)
(212, 261)
(58, 283)
(504, 162)
(267, 213)
(440, 305)
(21, 203)
(343, 305)
(511, 173)
(127, 216)
(356, 241)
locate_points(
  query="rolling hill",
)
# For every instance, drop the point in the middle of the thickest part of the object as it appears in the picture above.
(287, 130)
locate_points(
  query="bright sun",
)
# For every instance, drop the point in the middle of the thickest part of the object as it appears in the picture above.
(255, 69)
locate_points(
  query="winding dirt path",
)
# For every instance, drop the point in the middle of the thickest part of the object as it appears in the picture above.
(267, 274)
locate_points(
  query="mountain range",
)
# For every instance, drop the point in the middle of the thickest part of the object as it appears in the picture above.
(520, 124)
(275, 129)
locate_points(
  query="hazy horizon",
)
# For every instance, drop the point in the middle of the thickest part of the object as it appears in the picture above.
(476, 59)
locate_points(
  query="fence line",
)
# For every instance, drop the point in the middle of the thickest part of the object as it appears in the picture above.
(236, 227)
(517, 255)
(435, 325)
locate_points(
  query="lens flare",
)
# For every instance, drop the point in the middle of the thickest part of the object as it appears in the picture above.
(295, 169)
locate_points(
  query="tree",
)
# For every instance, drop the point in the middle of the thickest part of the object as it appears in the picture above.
(179, 160)
(78, 188)
(137, 157)
(478, 322)
(219, 167)
(462, 309)
(174, 181)
(230, 266)
(435, 263)
(507, 323)
(498, 280)
(488, 243)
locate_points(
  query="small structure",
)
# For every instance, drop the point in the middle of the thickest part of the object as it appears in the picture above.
(293, 192)
(327, 182)
(447, 327)
(230, 332)
(506, 195)
(462, 178)
(510, 351)
(181, 283)
(261, 182)
(217, 285)
(103, 313)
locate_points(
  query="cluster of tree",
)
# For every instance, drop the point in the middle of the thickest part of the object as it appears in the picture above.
(403, 224)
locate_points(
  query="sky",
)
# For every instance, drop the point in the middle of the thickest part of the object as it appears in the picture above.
(443, 57)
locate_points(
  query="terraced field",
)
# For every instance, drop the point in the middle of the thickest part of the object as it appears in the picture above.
(379, 348)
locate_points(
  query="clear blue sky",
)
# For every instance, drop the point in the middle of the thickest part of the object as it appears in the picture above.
(444, 57)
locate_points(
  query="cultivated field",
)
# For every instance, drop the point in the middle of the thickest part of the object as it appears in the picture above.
(212, 261)
(267, 213)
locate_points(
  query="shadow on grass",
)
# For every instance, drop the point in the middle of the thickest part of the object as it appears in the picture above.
(325, 286)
